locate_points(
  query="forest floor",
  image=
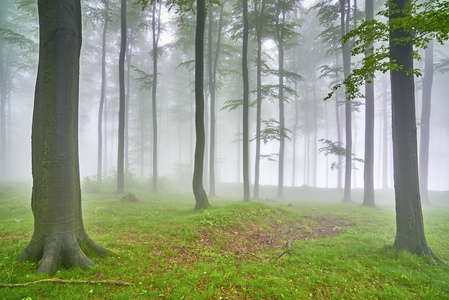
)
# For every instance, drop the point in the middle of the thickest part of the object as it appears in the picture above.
(303, 247)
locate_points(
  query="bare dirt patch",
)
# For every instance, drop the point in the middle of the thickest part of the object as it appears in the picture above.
(255, 239)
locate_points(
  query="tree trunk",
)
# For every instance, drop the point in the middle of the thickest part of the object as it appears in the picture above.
(348, 119)
(128, 57)
(368, 175)
(200, 195)
(425, 124)
(212, 71)
(56, 198)
(156, 28)
(280, 39)
(102, 94)
(259, 28)
(3, 160)
(409, 220)
(121, 123)
(245, 104)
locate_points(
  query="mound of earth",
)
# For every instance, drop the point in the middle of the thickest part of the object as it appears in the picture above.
(254, 239)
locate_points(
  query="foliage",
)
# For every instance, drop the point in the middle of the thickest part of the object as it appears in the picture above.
(273, 131)
(335, 149)
(424, 20)
(169, 251)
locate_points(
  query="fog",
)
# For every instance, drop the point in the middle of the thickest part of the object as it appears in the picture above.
(305, 164)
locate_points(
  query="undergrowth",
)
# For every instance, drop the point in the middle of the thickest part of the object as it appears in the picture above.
(232, 251)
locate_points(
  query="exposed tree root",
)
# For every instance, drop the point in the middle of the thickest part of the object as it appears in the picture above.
(67, 281)
(59, 248)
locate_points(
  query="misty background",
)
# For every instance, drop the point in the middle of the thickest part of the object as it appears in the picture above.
(309, 119)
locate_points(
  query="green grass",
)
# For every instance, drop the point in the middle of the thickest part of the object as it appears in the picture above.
(169, 251)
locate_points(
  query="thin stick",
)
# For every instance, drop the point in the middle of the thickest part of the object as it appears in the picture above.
(58, 280)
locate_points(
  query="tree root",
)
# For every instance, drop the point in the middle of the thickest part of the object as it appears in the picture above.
(67, 281)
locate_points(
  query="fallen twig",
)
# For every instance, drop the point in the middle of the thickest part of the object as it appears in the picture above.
(65, 281)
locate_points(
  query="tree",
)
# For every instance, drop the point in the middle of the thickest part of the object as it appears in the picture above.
(197, 183)
(348, 119)
(103, 92)
(409, 25)
(425, 124)
(368, 172)
(212, 74)
(245, 103)
(409, 220)
(259, 7)
(121, 125)
(56, 198)
(156, 33)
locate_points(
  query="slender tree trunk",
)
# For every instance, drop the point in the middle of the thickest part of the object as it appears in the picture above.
(409, 220)
(156, 28)
(339, 139)
(295, 137)
(280, 39)
(259, 29)
(246, 192)
(425, 124)
(348, 119)
(212, 71)
(368, 173)
(56, 198)
(200, 195)
(128, 88)
(102, 94)
(384, 135)
(2, 113)
(121, 124)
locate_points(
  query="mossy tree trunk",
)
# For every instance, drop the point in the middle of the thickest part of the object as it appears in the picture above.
(409, 220)
(56, 198)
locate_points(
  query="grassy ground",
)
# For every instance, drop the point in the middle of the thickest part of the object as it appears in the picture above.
(234, 250)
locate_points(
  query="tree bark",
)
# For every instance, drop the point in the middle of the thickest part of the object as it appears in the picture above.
(348, 119)
(409, 220)
(56, 198)
(121, 122)
(156, 28)
(425, 124)
(259, 29)
(200, 195)
(212, 71)
(280, 40)
(368, 172)
(102, 94)
(246, 192)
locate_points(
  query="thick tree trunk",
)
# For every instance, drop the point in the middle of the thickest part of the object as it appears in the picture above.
(368, 172)
(246, 192)
(102, 94)
(56, 198)
(121, 122)
(409, 220)
(200, 195)
(425, 124)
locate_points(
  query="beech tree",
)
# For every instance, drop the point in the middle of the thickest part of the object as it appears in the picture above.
(56, 198)
(121, 122)
(197, 183)
(409, 24)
